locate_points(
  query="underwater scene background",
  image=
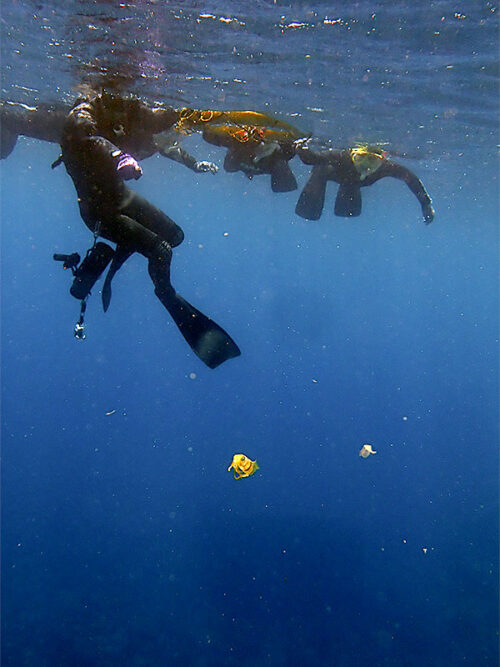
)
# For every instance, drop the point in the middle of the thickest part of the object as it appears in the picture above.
(125, 540)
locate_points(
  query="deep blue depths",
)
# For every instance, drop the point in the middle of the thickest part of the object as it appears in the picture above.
(126, 541)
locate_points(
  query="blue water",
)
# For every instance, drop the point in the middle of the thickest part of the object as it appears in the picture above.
(125, 541)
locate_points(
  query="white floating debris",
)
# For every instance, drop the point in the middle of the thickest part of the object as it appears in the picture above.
(366, 451)
(111, 412)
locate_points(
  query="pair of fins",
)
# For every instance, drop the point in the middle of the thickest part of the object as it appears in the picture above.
(312, 198)
(206, 338)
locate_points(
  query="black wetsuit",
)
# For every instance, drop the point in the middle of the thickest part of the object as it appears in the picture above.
(337, 165)
(112, 210)
(131, 123)
(254, 157)
(91, 160)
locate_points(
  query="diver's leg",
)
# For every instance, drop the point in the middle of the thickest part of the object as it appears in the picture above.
(282, 178)
(152, 218)
(312, 197)
(122, 253)
(348, 201)
(207, 339)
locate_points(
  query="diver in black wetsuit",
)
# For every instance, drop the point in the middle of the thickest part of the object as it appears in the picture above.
(353, 169)
(256, 150)
(134, 126)
(110, 209)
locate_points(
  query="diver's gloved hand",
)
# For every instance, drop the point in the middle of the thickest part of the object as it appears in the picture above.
(206, 166)
(128, 168)
(428, 213)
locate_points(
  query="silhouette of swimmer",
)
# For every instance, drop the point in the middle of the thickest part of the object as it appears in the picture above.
(256, 143)
(353, 169)
(133, 125)
(110, 209)
(254, 151)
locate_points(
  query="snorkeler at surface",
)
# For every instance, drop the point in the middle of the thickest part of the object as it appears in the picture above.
(256, 143)
(130, 123)
(353, 169)
(256, 150)
(98, 167)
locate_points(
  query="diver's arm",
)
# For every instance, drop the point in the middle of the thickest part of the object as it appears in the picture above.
(44, 122)
(178, 154)
(81, 134)
(313, 157)
(168, 146)
(416, 186)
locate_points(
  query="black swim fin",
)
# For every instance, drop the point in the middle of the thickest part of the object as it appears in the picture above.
(207, 339)
(121, 255)
(312, 198)
(90, 270)
(282, 178)
(348, 202)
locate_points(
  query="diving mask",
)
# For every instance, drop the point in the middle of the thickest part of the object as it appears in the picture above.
(365, 162)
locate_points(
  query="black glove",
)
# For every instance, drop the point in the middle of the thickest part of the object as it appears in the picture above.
(428, 213)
